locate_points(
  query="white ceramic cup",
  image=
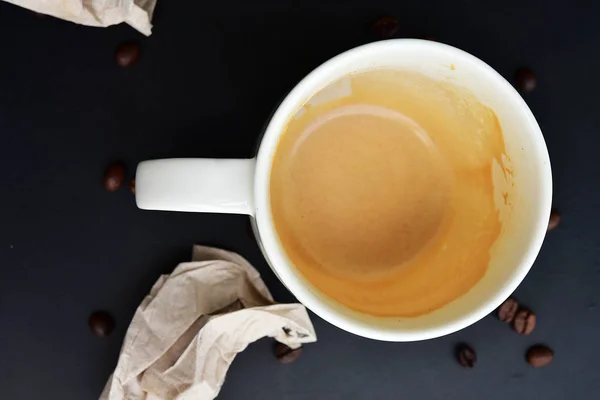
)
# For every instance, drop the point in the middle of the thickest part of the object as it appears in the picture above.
(242, 186)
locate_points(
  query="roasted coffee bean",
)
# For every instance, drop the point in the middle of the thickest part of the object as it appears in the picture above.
(127, 54)
(525, 80)
(114, 176)
(508, 310)
(285, 354)
(554, 219)
(466, 356)
(385, 27)
(539, 356)
(524, 322)
(101, 323)
(132, 185)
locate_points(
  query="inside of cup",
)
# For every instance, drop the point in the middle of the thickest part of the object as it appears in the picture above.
(522, 188)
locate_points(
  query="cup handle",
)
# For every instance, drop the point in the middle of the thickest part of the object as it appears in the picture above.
(196, 185)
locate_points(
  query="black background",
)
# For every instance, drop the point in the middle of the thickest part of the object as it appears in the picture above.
(207, 80)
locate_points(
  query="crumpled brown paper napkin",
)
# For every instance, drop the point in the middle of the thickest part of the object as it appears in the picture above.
(187, 331)
(137, 13)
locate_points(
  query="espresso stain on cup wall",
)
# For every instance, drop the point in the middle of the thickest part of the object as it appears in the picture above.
(358, 219)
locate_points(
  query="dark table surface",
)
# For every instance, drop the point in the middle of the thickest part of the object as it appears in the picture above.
(207, 80)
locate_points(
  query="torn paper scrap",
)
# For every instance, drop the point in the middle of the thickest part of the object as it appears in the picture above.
(186, 333)
(136, 13)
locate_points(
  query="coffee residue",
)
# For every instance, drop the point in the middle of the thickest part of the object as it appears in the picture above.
(383, 199)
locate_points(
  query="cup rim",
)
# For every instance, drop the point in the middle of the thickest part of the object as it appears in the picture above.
(275, 254)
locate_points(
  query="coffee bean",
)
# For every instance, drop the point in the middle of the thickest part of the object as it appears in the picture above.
(539, 356)
(101, 323)
(285, 354)
(127, 54)
(132, 185)
(508, 310)
(554, 219)
(114, 176)
(466, 356)
(385, 27)
(524, 322)
(525, 80)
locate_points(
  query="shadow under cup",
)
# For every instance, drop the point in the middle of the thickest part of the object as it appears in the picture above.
(524, 217)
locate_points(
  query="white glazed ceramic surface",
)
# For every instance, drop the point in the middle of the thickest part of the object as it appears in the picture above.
(242, 186)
